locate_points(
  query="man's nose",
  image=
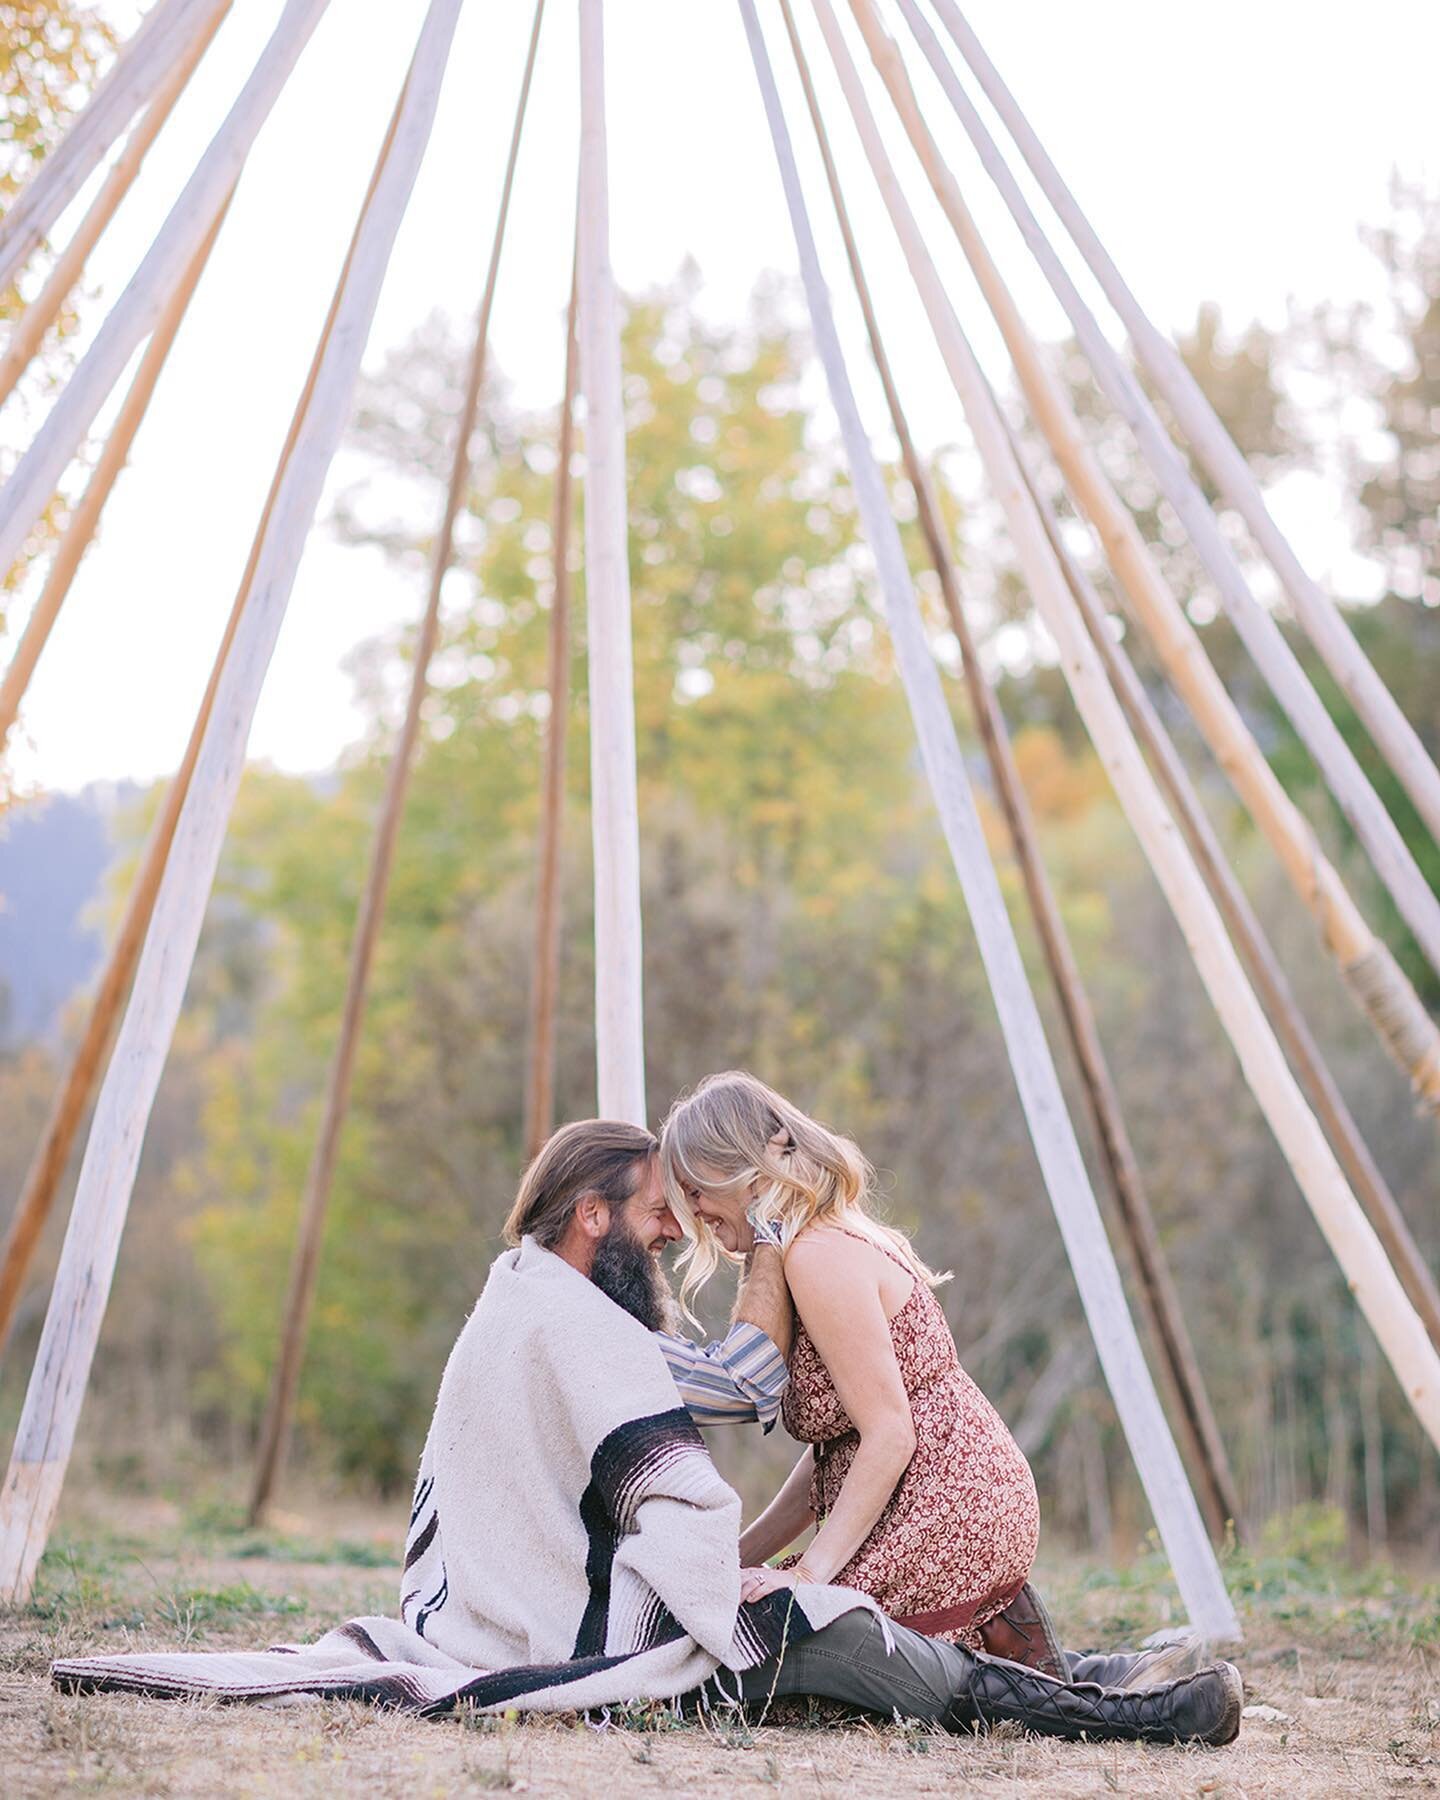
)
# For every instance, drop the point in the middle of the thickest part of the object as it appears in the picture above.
(670, 1227)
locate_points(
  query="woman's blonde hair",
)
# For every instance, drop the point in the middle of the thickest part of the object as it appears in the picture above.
(732, 1131)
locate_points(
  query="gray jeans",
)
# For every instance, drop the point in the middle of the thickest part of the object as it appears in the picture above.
(848, 1661)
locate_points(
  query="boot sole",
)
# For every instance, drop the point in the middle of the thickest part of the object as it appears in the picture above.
(1227, 1729)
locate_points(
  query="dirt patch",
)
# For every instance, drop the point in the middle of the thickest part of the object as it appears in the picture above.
(1347, 1671)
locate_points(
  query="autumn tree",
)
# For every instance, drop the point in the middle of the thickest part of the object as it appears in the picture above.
(51, 55)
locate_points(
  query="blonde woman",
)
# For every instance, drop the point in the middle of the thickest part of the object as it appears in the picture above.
(922, 1498)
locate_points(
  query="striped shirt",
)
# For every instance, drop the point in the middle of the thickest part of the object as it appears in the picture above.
(740, 1377)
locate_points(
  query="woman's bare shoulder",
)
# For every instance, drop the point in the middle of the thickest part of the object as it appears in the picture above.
(822, 1249)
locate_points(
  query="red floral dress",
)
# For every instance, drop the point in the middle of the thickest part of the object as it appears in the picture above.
(958, 1535)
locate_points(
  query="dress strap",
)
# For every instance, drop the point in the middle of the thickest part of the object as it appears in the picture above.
(875, 1244)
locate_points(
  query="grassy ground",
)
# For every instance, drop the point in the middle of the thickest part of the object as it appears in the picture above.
(1348, 1662)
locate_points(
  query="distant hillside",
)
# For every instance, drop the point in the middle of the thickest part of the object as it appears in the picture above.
(53, 858)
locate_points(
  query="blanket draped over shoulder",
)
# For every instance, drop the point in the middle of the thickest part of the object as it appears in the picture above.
(571, 1543)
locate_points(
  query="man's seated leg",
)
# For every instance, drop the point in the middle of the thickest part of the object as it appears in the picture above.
(924, 1678)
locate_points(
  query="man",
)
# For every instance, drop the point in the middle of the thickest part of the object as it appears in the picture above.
(572, 1545)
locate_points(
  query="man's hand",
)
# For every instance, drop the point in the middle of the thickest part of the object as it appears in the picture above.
(764, 1299)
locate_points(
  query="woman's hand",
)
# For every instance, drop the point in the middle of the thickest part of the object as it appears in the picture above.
(756, 1583)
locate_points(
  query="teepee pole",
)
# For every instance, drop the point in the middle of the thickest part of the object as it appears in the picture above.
(1374, 978)
(46, 1433)
(29, 330)
(1393, 734)
(1185, 1385)
(164, 37)
(81, 528)
(545, 976)
(1247, 934)
(1350, 1235)
(614, 809)
(305, 1267)
(34, 480)
(1257, 630)
(1181, 1527)
(52, 1154)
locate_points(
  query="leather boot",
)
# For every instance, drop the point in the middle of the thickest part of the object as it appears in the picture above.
(1202, 1709)
(1025, 1633)
(1141, 1668)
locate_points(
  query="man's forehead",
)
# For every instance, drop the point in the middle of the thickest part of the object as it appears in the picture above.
(651, 1190)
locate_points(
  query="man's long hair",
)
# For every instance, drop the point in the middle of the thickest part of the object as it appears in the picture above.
(593, 1156)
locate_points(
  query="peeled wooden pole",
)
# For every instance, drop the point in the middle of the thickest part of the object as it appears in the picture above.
(28, 332)
(545, 979)
(1350, 1235)
(164, 35)
(81, 529)
(614, 810)
(1248, 936)
(1376, 830)
(305, 1267)
(33, 482)
(1190, 1404)
(1156, 1458)
(47, 1166)
(1375, 980)
(46, 1432)
(1374, 704)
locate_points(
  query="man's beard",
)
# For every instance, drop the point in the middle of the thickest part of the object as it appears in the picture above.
(626, 1272)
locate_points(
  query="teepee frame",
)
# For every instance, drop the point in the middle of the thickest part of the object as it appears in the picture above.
(168, 903)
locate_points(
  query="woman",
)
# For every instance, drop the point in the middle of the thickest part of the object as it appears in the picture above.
(923, 1499)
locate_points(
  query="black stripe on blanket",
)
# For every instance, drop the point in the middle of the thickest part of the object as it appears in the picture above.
(422, 1542)
(769, 1625)
(361, 1639)
(531, 1678)
(631, 1455)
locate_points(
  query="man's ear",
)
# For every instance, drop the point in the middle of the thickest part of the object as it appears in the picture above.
(593, 1214)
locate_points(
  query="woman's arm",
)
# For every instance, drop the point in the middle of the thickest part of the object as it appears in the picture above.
(782, 1521)
(834, 1282)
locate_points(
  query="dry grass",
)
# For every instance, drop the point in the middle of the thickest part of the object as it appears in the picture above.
(1350, 1659)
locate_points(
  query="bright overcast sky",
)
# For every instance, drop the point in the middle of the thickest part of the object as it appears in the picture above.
(1226, 152)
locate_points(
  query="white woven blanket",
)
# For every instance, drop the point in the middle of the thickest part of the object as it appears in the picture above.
(571, 1543)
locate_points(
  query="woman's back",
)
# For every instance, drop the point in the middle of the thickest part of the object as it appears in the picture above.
(957, 1539)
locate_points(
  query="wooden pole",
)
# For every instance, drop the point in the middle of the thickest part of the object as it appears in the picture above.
(1345, 1227)
(46, 1432)
(1248, 935)
(29, 330)
(47, 1166)
(305, 1266)
(164, 35)
(1371, 973)
(81, 529)
(540, 1090)
(33, 482)
(614, 811)
(1376, 830)
(1374, 704)
(1142, 1417)
(1190, 1404)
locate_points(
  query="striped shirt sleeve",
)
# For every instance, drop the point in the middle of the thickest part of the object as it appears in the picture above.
(740, 1377)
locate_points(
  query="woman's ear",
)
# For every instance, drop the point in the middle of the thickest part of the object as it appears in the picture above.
(593, 1214)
